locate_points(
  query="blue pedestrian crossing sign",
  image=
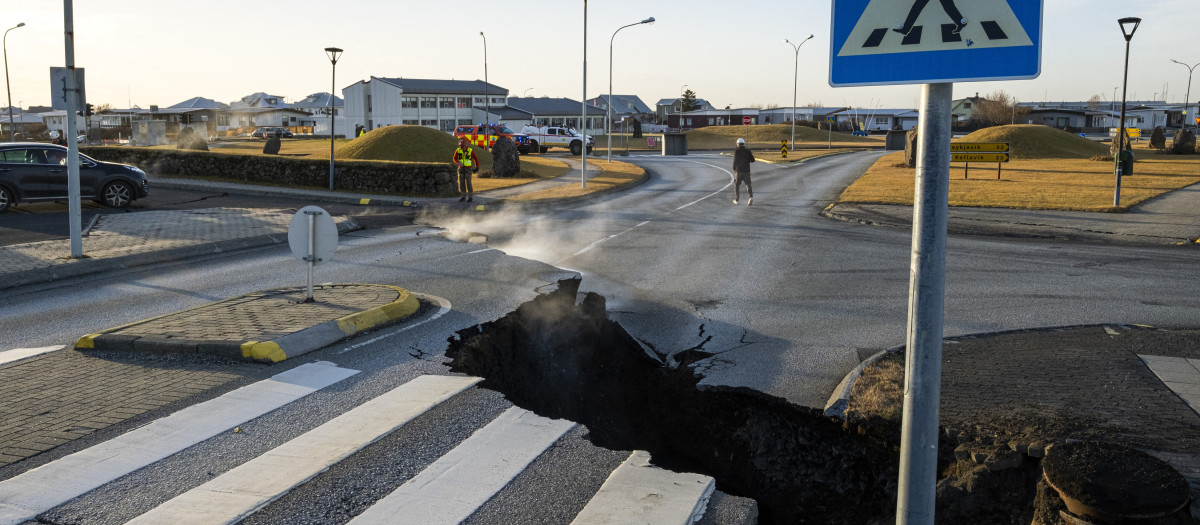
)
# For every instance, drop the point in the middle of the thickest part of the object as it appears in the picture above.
(882, 42)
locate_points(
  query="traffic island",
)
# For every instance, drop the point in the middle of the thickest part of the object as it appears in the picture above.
(266, 326)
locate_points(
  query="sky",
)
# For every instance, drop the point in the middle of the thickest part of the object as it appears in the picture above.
(144, 52)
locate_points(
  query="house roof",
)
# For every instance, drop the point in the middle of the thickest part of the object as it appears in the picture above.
(448, 87)
(506, 112)
(668, 101)
(546, 106)
(318, 100)
(260, 100)
(199, 103)
(624, 104)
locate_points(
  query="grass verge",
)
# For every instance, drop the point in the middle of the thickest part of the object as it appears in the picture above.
(614, 174)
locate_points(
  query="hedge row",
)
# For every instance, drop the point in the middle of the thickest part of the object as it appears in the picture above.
(378, 177)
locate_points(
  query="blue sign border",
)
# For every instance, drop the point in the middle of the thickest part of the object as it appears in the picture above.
(929, 67)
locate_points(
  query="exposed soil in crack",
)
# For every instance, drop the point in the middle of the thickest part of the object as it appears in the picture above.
(561, 360)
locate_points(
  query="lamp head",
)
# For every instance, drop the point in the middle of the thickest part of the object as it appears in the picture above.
(22, 24)
(333, 53)
(809, 36)
(1129, 25)
(648, 20)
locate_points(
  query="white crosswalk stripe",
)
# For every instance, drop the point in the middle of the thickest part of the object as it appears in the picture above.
(449, 490)
(453, 487)
(25, 496)
(243, 490)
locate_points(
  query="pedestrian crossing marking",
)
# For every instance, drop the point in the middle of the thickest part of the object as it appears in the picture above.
(25, 496)
(232, 496)
(880, 29)
(638, 492)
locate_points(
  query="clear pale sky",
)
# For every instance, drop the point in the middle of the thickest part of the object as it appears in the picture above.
(144, 52)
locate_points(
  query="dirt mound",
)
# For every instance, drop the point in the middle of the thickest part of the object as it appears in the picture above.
(1034, 141)
(406, 144)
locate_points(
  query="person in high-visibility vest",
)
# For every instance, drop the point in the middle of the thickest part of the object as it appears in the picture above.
(464, 157)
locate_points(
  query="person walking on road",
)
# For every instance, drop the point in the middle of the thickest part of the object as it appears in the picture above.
(464, 157)
(741, 172)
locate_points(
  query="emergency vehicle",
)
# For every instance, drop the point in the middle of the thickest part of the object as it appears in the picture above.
(546, 137)
(485, 136)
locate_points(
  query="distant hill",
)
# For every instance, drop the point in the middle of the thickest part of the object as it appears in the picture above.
(1034, 141)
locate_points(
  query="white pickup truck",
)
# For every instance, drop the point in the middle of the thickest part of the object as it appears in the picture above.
(546, 137)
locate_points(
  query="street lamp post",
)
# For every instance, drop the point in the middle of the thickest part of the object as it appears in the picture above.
(333, 54)
(608, 115)
(487, 100)
(795, 81)
(1129, 25)
(1186, 96)
(11, 124)
(583, 107)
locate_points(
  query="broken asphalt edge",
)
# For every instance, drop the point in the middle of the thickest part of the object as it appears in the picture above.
(289, 345)
(87, 266)
(839, 400)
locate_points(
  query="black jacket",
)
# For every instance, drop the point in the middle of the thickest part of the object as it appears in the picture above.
(742, 159)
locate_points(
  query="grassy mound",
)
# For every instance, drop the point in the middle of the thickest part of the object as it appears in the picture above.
(1034, 141)
(725, 137)
(406, 144)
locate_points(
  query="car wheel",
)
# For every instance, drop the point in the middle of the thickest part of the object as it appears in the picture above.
(117, 195)
(543, 149)
(5, 199)
(576, 147)
(533, 146)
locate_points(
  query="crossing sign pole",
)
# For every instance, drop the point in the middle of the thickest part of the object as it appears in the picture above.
(886, 42)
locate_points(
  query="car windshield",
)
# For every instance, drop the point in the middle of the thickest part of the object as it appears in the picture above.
(502, 129)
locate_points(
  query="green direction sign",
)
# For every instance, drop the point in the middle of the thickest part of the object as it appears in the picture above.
(978, 157)
(978, 147)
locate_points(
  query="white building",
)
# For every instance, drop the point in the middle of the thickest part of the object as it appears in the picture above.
(439, 104)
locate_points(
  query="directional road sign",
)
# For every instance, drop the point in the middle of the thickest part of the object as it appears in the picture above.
(957, 147)
(881, 42)
(978, 157)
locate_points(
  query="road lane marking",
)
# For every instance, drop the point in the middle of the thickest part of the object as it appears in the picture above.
(232, 496)
(458, 483)
(443, 309)
(17, 354)
(638, 492)
(25, 496)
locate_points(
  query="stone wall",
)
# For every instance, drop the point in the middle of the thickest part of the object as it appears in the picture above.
(380, 177)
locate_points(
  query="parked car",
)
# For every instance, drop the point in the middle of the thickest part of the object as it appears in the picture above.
(262, 133)
(33, 171)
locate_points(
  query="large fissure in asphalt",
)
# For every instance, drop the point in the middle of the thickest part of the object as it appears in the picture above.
(566, 361)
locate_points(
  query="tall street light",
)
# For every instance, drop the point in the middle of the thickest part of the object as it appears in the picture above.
(487, 100)
(583, 106)
(11, 125)
(1185, 96)
(608, 116)
(795, 82)
(1129, 25)
(333, 53)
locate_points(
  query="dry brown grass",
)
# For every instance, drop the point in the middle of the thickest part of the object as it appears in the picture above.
(879, 391)
(1046, 183)
(614, 174)
(533, 169)
(800, 154)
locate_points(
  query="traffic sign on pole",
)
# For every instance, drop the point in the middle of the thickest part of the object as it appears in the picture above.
(978, 157)
(975, 147)
(747, 120)
(883, 42)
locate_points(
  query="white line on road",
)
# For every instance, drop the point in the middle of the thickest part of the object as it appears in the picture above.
(457, 484)
(443, 308)
(236, 494)
(25, 496)
(17, 354)
(638, 492)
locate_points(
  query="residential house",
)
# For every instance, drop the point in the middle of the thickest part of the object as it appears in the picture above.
(259, 100)
(319, 104)
(784, 115)
(878, 119)
(963, 109)
(703, 118)
(18, 126)
(668, 106)
(623, 106)
(545, 111)
(57, 120)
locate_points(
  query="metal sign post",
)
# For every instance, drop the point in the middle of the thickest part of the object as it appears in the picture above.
(885, 42)
(313, 237)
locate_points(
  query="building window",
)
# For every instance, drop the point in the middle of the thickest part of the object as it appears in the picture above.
(429, 122)
(408, 102)
(368, 103)
(446, 102)
(882, 121)
(447, 125)
(480, 100)
(429, 102)
(966, 105)
(687, 121)
(464, 121)
(464, 102)
(409, 122)
(498, 100)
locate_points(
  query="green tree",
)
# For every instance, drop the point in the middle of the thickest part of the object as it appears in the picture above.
(688, 102)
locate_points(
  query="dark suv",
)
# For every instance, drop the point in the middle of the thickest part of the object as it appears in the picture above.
(262, 133)
(32, 171)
